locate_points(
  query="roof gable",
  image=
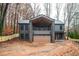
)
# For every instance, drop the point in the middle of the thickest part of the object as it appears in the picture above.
(42, 16)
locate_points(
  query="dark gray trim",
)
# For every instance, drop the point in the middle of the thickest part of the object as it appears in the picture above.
(59, 24)
(59, 32)
(41, 34)
(31, 31)
(52, 32)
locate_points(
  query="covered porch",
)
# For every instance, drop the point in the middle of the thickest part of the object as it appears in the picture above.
(43, 26)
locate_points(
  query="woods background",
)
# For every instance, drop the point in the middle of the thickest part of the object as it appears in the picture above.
(10, 13)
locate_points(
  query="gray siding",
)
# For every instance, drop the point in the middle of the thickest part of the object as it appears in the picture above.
(41, 32)
(24, 31)
(57, 28)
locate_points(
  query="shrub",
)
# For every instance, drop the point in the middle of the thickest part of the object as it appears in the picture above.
(74, 35)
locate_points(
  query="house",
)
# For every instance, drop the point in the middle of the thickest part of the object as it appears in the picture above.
(41, 25)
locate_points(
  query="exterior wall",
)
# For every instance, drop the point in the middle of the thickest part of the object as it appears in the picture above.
(59, 32)
(24, 31)
(57, 28)
(41, 32)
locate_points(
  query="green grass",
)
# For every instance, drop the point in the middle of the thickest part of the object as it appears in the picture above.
(5, 38)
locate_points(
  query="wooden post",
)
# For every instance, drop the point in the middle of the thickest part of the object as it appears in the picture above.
(52, 32)
(30, 29)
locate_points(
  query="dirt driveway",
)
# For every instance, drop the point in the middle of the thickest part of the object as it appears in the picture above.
(16, 47)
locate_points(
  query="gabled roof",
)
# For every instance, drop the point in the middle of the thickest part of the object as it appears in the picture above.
(58, 22)
(51, 19)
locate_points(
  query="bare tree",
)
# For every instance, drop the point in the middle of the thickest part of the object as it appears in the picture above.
(36, 9)
(29, 14)
(47, 8)
(14, 12)
(69, 14)
(15, 18)
(3, 9)
(75, 22)
(65, 13)
(58, 10)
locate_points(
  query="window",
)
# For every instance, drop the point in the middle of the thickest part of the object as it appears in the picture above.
(60, 27)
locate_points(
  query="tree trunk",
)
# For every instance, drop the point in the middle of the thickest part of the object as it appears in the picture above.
(3, 13)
